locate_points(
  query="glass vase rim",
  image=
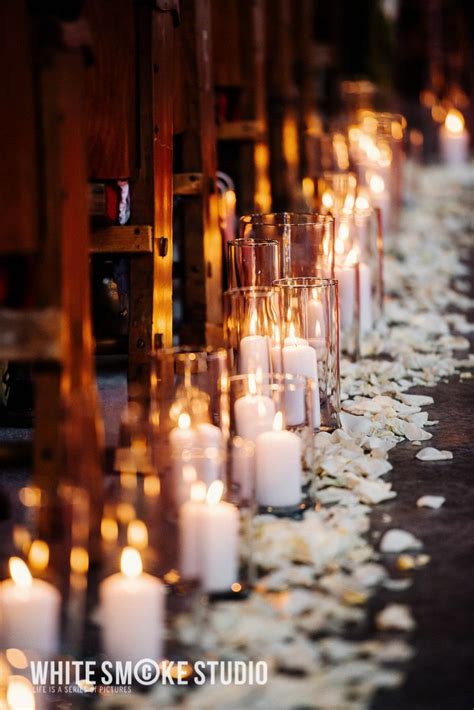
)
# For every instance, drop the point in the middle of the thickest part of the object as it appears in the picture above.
(304, 282)
(257, 290)
(316, 218)
(253, 242)
(184, 350)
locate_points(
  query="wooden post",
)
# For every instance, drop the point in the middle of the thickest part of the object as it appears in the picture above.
(63, 368)
(283, 111)
(201, 236)
(151, 317)
(239, 68)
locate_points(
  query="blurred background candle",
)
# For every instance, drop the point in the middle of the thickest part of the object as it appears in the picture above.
(380, 198)
(278, 467)
(365, 299)
(29, 610)
(454, 139)
(183, 436)
(132, 612)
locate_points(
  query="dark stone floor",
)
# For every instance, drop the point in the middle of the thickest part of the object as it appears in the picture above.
(442, 595)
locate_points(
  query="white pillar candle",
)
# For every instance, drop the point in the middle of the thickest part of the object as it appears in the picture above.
(346, 277)
(132, 607)
(219, 541)
(276, 358)
(182, 438)
(209, 439)
(243, 470)
(208, 435)
(253, 412)
(189, 527)
(29, 611)
(278, 467)
(365, 299)
(300, 359)
(253, 354)
(454, 139)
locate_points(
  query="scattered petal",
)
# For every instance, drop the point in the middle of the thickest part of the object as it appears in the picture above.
(429, 453)
(430, 502)
(396, 540)
(395, 616)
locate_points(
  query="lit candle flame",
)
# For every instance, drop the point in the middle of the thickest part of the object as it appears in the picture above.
(19, 572)
(214, 494)
(184, 421)
(109, 529)
(189, 473)
(292, 334)
(349, 203)
(339, 246)
(343, 231)
(278, 421)
(454, 121)
(352, 257)
(20, 693)
(38, 555)
(252, 384)
(327, 200)
(362, 203)
(131, 562)
(137, 534)
(198, 492)
(377, 184)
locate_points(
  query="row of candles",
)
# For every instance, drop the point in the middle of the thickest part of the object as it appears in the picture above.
(276, 388)
(231, 431)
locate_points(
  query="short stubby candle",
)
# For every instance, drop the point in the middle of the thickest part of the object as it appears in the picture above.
(278, 467)
(454, 139)
(132, 610)
(253, 412)
(29, 610)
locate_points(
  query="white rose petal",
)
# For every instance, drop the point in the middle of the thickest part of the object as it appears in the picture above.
(429, 453)
(396, 540)
(430, 502)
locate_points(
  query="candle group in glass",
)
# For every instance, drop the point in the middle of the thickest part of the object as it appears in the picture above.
(272, 410)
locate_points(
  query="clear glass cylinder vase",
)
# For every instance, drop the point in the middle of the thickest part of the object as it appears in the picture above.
(306, 240)
(309, 315)
(252, 263)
